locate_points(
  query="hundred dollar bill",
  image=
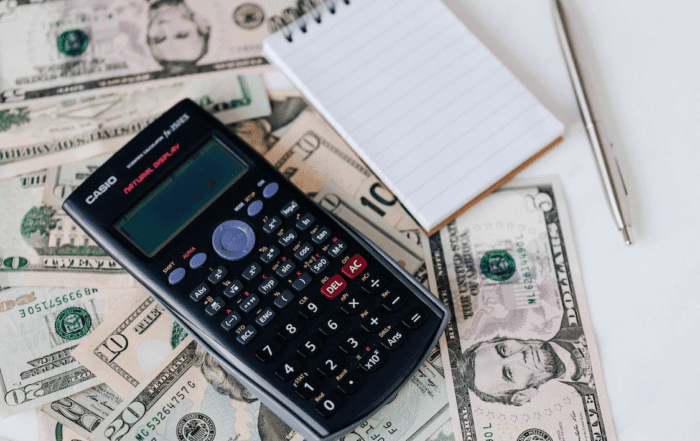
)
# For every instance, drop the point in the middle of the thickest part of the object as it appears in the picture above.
(522, 362)
(40, 327)
(399, 247)
(80, 47)
(50, 134)
(48, 429)
(190, 391)
(41, 245)
(132, 342)
(311, 154)
(84, 411)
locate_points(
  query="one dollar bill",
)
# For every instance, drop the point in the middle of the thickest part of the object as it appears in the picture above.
(520, 356)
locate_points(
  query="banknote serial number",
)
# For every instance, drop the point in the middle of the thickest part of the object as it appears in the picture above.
(488, 434)
(367, 427)
(162, 414)
(55, 302)
(524, 264)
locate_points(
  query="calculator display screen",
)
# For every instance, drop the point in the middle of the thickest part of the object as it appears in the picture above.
(181, 197)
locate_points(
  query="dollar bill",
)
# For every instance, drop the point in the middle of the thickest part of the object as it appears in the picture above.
(444, 433)
(263, 133)
(49, 134)
(189, 389)
(83, 412)
(48, 429)
(40, 326)
(132, 342)
(399, 247)
(522, 362)
(80, 47)
(42, 246)
(311, 154)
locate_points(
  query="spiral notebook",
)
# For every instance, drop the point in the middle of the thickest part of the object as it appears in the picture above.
(424, 104)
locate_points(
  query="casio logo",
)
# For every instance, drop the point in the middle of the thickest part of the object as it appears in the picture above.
(100, 190)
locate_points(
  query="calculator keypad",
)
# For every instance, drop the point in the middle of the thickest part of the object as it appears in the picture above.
(324, 315)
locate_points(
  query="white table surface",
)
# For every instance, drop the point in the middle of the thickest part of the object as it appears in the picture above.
(642, 62)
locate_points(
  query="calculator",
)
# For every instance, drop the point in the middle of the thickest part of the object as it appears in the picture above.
(308, 314)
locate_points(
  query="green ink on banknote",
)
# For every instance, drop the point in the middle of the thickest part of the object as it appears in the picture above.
(73, 323)
(498, 265)
(177, 336)
(13, 117)
(73, 42)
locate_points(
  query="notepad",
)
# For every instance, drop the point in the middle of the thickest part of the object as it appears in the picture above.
(420, 99)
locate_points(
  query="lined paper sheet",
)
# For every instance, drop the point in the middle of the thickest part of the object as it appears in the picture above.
(424, 104)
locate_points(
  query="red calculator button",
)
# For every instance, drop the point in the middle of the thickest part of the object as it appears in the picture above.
(355, 266)
(334, 286)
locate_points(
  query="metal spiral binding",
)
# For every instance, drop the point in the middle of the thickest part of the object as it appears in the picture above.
(298, 16)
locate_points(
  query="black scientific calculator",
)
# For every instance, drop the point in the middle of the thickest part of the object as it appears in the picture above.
(306, 312)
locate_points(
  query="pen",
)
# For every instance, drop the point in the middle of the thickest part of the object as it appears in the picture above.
(607, 163)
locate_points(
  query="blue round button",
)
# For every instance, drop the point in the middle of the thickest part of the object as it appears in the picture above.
(198, 260)
(254, 208)
(176, 275)
(233, 240)
(270, 190)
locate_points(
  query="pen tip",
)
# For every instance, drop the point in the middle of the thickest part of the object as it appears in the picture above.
(626, 235)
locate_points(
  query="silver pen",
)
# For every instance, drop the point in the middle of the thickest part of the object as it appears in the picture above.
(607, 163)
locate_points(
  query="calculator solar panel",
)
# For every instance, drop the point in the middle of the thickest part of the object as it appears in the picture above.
(308, 314)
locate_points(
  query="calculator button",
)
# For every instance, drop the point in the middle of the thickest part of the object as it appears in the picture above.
(254, 208)
(373, 359)
(304, 251)
(270, 190)
(415, 318)
(319, 265)
(283, 299)
(215, 306)
(355, 266)
(272, 225)
(198, 260)
(233, 240)
(249, 303)
(267, 286)
(353, 305)
(233, 289)
(285, 268)
(309, 386)
(374, 283)
(373, 321)
(199, 292)
(289, 209)
(394, 338)
(290, 329)
(287, 238)
(337, 248)
(353, 342)
(321, 236)
(310, 347)
(217, 275)
(329, 404)
(265, 317)
(252, 271)
(231, 320)
(334, 286)
(269, 255)
(332, 325)
(351, 382)
(313, 308)
(395, 301)
(305, 221)
(248, 333)
(289, 369)
(269, 351)
(176, 276)
(331, 364)
(301, 282)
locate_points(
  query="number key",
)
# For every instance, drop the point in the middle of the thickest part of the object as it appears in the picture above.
(269, 351)
(291, 329)
(332, 325)
(331, 365)
(353, 342)
(289, 369)
(329, 405)
(311, 346)
(312, 308)
(309, 386)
